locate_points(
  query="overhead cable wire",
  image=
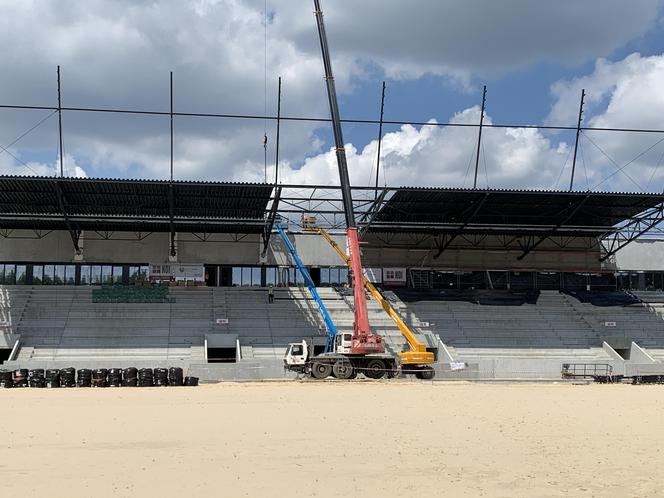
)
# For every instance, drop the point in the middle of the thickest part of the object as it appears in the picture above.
(569, 153)
(327, 120)
(620, 169)
(655, 170)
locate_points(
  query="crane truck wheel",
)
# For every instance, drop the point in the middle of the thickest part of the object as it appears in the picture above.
(342, 369)
(375, 369)
(320, 370)
(427, 373)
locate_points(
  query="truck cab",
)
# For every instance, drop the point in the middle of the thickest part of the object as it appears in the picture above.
(343, 343)
(297, 355)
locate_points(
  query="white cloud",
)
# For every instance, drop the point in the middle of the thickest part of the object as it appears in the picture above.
(10, 165)
(120, 53)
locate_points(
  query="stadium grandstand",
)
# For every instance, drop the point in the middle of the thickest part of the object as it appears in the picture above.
(498, 283)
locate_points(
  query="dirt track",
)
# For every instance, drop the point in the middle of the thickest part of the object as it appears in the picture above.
(334, 439)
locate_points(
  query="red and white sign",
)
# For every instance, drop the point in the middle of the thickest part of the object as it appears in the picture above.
(395, 277)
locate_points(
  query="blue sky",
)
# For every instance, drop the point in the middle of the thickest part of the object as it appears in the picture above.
(435, 55)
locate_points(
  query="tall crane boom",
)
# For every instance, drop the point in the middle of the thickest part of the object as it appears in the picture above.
(364, 342)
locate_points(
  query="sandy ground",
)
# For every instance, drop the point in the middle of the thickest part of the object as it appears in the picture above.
(356, 439)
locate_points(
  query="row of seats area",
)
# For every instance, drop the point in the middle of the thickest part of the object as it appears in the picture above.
(67, 325)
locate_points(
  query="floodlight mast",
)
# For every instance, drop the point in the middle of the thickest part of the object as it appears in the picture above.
(364, 342)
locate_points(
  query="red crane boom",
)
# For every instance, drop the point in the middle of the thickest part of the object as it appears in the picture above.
(364, 341)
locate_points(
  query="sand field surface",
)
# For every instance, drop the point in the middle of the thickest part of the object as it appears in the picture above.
(352, 439)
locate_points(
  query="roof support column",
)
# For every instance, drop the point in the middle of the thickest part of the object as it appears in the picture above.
(171, 213)
(74, 232)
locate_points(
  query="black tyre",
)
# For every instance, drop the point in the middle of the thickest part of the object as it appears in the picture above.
(321, 370)
(191, 381)
(375, 369)
(342, 369)
(427, 374)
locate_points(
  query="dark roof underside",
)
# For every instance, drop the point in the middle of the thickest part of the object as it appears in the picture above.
(132, 205)
(509, 211)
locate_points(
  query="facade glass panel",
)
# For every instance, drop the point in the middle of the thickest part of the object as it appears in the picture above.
(10, 274)
(70, 275)
(106, 275)
(48, 275)
(59, 275)
(85, 275)
(117, 274)
(95, 275)
(20, 274)
(37, 274)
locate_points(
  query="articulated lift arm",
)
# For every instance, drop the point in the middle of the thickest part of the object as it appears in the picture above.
(418, 354)
(331, 328)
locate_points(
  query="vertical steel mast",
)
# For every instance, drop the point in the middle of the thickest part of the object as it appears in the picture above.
(364, 342)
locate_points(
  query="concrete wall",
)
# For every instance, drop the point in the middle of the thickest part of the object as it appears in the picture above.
(489, 253)
(380, 250)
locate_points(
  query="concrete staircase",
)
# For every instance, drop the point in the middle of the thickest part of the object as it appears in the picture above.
(264, 330)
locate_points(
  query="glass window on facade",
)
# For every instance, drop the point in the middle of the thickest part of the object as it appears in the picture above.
(85, 275)
(37, 274)
(138, 273)
(256, 277)
(117, 274)
(10, 274)
(271, 276)
(325, 276)
(237, 276)
(106, 275)
(59, 275)
(70, 275)
(246, 276)
(20, 274)
(343, 276)
(48, 275)
(95, 275)
(2, 274)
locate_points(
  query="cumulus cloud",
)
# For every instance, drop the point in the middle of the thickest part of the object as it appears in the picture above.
(119, 55)
(620, 94)
(12, 164)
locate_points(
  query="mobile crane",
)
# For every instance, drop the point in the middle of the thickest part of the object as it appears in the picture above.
(416, 361)
(363, 351)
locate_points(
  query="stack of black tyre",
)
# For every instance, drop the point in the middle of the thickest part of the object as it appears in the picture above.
(114, 377)
(175, 376)
(99, 377)
(52, 376)
(161, 376)
(36, 378)
(191, 381)
(130, 377)
(145, 377)
(68, 377)
(21, 377)
(84, 378)
(6, 379)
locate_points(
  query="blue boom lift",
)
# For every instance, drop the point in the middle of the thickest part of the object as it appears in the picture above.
(331, 328)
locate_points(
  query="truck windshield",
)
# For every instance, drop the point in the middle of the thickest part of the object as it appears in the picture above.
(296, 350)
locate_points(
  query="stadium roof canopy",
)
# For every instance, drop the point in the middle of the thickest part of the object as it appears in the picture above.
(514, 212)
(132, 205)
(107, 205)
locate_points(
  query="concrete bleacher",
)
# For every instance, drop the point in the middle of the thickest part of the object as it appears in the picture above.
(61, 326)
(497, 324)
